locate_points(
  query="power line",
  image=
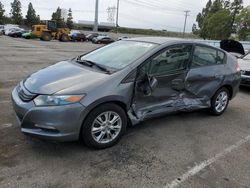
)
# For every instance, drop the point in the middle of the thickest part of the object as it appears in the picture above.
(134, 18)
(148, 6)
(159, 6)
(179, 4)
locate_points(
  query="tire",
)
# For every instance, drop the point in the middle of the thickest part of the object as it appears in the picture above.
(91, 139)
(46, 36)
(64, 38)
(220, 101)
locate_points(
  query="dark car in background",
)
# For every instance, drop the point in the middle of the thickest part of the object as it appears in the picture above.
(95, 95)
(90, 36)
(79, 37)
(102, 40)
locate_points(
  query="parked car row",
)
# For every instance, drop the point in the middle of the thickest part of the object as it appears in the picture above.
(75, 35)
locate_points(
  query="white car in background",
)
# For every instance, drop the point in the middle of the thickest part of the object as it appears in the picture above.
(244, 63)
(9, 28)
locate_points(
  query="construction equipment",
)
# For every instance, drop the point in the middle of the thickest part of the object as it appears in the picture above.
(48, 30)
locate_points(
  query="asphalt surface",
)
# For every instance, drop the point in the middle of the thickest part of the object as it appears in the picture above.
(180, 150)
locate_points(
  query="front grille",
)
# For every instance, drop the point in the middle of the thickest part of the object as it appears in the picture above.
(246, 73)
(25, 95)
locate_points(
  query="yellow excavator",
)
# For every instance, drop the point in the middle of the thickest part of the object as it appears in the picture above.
(48, 30)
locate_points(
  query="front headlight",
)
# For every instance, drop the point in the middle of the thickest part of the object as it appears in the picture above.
(57, 100)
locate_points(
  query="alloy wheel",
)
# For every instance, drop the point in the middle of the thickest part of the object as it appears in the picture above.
(106, 127)
(221, 101)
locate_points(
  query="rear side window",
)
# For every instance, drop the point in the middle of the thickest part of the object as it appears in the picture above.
(204, 56)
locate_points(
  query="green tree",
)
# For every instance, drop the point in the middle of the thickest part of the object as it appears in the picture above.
(216, 6)
(236, 7)
(195, 30)
(2, 11)
(70, 23)
(226, 4)
(16, 11)
(217, 24)
(200, 17)
(209, 16)
(57, 16)
(31, 17)
(242, 24)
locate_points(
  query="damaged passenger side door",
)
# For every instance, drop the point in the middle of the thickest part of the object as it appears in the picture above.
(161, 81)
(206, 75)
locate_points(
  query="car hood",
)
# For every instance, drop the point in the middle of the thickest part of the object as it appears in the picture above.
(244, 64)
(62, 76)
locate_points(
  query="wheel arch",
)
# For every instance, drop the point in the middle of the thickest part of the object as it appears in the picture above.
(113, 100)
(229, 88)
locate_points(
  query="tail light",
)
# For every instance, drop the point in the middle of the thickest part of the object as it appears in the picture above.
(238, 67)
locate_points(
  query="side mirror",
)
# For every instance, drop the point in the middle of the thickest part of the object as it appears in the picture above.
(148, 85)
(153, 83)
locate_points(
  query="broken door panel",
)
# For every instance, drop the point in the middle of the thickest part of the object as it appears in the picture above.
(169, 69)
(206, 75)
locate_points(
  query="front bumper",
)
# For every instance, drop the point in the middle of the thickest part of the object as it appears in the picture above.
(245, 80)
(59, 123)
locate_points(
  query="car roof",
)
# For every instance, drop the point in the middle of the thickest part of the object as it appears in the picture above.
(164, 40)
(170, 41)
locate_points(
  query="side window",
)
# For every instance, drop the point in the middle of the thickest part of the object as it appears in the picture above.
(204, 56)
(38, 29)
(171, 60)
(220, 57)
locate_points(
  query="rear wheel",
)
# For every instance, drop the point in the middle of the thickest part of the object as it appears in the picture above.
(46, 36)
(104, 126)
(220, 101)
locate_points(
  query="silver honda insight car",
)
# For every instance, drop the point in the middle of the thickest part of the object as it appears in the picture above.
(96, 95)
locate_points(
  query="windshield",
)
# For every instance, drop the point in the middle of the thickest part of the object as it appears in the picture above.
(119, 54)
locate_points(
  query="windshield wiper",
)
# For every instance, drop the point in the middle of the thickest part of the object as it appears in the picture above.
(91, 64)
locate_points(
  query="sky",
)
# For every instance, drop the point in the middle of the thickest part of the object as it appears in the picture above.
(150, 14)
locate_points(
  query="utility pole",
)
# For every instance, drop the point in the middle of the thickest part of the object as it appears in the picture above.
(186, 15)
(95, 29)
(117, 15)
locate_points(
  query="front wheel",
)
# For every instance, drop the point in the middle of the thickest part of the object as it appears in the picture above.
(104, 126)
(46, 36)
(220, 101)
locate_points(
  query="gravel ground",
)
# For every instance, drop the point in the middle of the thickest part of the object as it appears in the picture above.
(183, 150)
